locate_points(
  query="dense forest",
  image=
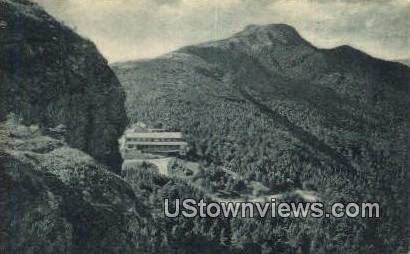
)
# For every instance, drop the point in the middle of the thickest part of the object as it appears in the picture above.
(271, 107)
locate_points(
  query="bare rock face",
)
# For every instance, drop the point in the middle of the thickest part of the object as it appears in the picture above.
(52, 77)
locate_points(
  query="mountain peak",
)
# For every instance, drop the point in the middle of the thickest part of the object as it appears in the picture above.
(284, 28)
(272, 33)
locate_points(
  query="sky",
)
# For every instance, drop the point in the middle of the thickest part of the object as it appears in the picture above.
(134, 29)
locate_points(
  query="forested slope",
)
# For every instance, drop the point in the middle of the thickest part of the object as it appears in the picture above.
(270, 106)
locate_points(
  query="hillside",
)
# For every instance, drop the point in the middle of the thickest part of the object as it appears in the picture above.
(56, 199)
(268, 105)
(51, 76)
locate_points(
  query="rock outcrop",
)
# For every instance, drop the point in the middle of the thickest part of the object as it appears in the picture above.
(56, 199)
(51, 76)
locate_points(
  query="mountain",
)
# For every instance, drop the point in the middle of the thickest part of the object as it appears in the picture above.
(51, 76)
(267, 104)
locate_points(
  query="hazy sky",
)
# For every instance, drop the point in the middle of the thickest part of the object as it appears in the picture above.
(132, 29)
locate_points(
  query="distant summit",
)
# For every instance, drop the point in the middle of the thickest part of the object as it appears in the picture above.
(279, 33)
(279, 49)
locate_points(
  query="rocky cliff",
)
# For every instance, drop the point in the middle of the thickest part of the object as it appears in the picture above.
(51, 76)
(61, 115)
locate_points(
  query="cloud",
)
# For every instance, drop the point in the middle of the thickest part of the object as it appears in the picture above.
(129, 29)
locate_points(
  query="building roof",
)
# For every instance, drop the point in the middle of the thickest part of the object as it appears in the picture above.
(154, 135)
(157, 143)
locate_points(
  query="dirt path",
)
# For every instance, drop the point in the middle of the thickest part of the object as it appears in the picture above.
(162, 165)
(308, 196)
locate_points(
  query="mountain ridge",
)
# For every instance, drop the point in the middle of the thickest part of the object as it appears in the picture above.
(268, 34)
